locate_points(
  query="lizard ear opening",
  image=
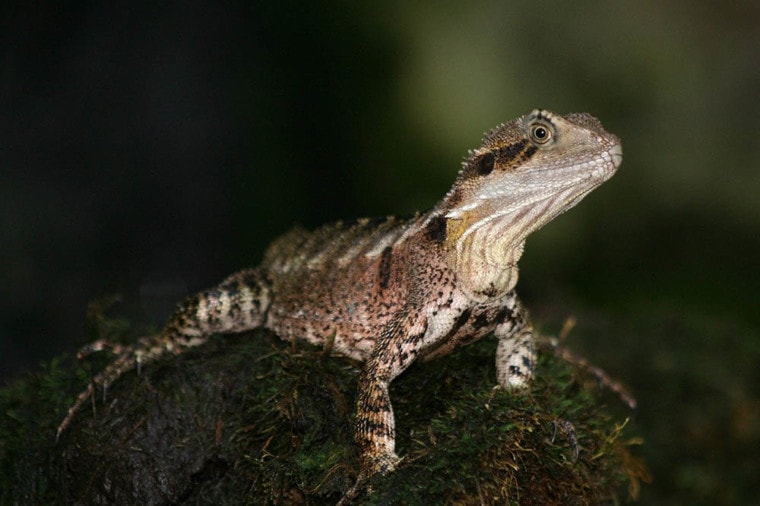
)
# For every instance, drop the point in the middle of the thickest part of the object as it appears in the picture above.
(483, 165)
(436, 229)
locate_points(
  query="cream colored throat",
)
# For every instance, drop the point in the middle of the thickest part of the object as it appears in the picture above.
(485, 254)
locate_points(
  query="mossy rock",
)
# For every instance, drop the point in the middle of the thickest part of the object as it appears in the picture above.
(248, 419)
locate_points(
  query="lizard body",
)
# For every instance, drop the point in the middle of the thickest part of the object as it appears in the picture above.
(389, 291)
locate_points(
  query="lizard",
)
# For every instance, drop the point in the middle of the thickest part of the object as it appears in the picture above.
(389, 291)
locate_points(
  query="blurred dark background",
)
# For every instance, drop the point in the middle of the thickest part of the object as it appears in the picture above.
(149, 150)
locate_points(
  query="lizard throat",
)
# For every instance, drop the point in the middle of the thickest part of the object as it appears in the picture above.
(487, 242)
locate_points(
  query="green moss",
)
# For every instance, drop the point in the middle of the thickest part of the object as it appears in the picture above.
(250, 419)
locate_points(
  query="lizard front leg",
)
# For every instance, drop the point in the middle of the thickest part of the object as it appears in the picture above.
(375, 425)
(516, 352)
(375, 429)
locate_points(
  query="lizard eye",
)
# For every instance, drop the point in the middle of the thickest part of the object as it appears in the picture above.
(540, 134)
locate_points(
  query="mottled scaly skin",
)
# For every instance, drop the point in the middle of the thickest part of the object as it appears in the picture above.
(389, 291)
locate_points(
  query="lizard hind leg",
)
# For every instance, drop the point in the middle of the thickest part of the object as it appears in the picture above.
(238, 303)
(181, 332)
(147, 349)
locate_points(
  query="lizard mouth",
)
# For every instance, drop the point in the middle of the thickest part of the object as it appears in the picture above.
(617, 154)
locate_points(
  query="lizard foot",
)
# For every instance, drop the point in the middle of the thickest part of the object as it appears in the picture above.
(568, 430)
(126, 359)
(371, 467)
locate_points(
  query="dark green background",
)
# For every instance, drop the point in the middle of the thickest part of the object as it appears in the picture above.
(150, 150)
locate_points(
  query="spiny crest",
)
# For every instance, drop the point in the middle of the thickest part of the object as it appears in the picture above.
(505, 133)
(333, 243)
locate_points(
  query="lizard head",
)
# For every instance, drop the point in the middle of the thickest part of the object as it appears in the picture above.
(528, 171)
